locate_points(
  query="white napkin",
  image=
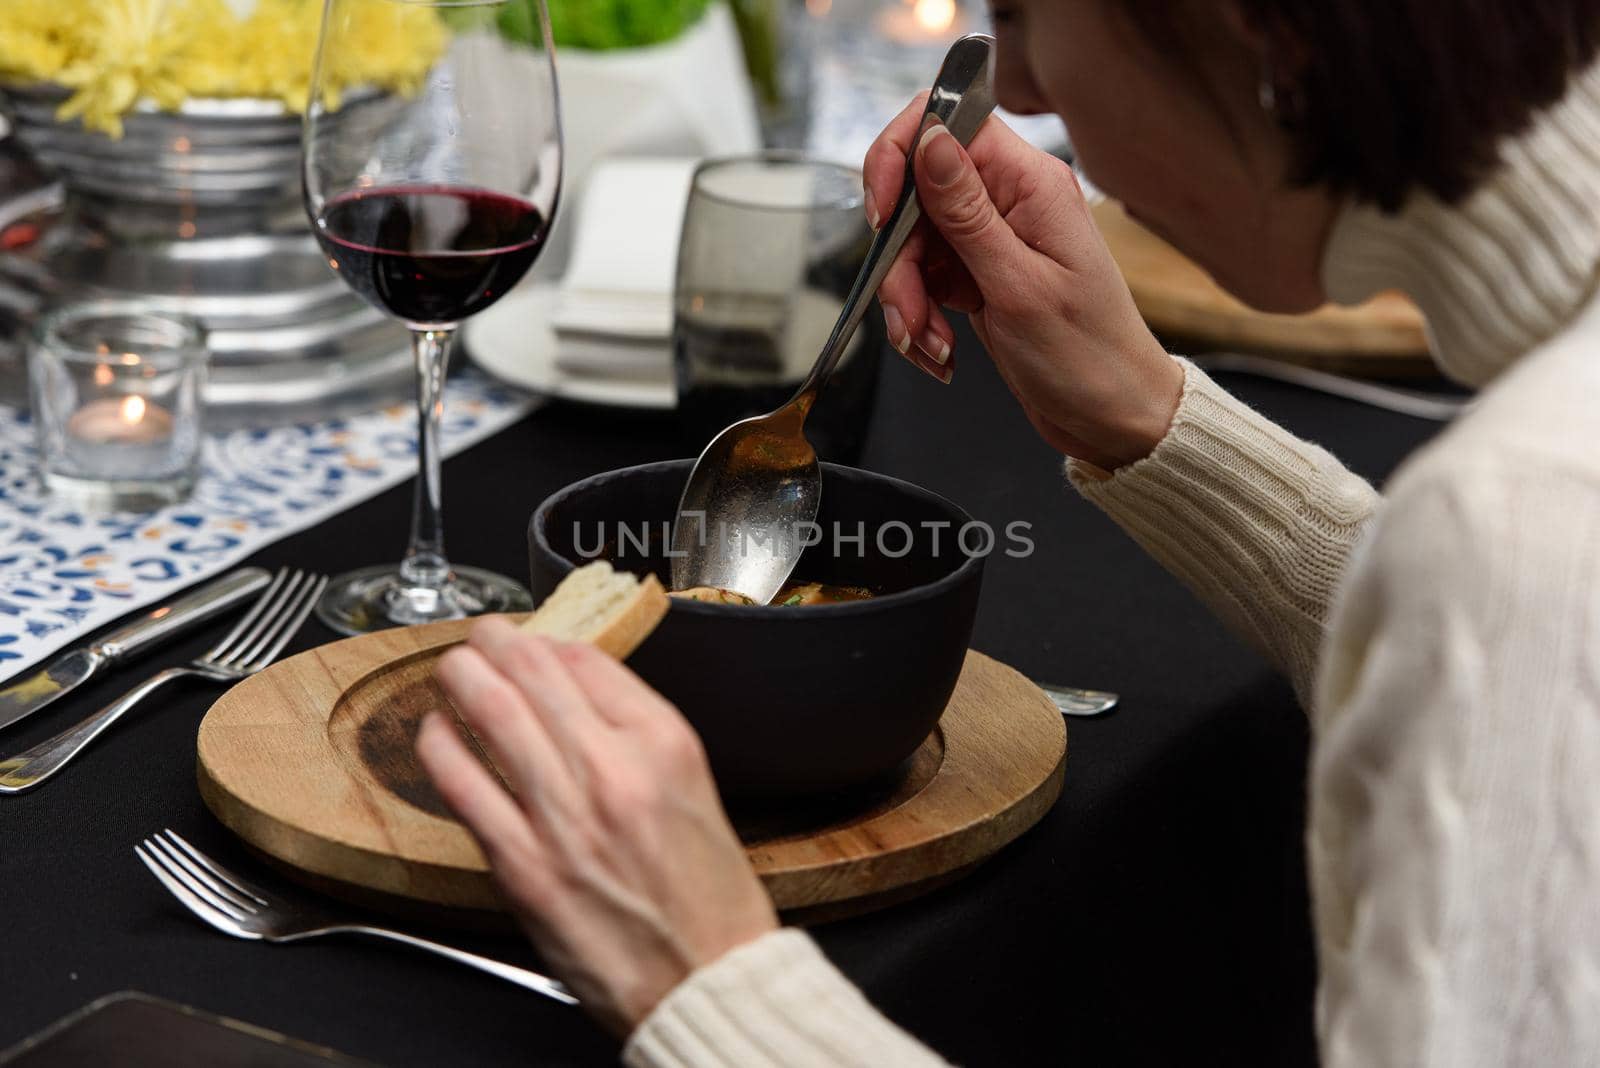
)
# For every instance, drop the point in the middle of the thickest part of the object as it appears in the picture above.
(613, 314)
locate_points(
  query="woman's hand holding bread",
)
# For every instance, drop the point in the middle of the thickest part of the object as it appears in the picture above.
(612, 847)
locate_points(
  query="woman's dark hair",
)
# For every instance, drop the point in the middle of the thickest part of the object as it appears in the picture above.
(1388, 96)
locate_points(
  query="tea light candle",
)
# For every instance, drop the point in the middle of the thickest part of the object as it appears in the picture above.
(119, 437)
(129, 421)
(921, 22)
(116, 393)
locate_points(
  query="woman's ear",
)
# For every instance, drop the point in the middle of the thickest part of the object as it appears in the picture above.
(1280, 54)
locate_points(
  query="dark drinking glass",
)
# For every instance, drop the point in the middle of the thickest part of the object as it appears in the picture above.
(771, 246)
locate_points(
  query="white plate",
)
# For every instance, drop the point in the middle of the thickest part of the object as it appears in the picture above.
(513, 341)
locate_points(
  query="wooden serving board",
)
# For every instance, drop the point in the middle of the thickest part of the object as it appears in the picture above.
(1178, 299)
(311, 763)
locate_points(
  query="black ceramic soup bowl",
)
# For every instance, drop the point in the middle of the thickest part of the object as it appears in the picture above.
(792, 700)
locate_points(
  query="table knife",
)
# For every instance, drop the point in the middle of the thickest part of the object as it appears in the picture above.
(27, 695)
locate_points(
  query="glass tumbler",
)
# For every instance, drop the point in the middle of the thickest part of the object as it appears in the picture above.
(771, 245)
(117, 404)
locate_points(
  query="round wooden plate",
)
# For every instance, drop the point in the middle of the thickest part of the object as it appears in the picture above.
(311, 762)
(1179, 299)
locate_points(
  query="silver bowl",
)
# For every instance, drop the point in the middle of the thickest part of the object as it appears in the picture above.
(224, 154)
(198, 211)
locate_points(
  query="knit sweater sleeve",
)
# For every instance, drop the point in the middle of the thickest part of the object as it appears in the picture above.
(1258, 523)
(1455, 827)
(773, 1003)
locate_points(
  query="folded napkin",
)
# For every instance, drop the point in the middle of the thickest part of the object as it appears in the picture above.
(613, 314)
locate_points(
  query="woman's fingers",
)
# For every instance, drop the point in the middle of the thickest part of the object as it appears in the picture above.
(476, 797)
(518, 743)
(884, 169)
(905, 302)
(915, 325)
(948, 282)
(656, 754)
(957, 203)
(1037, 194)
(621, 697)
(995, 205)
(938, 343)
(531, 664)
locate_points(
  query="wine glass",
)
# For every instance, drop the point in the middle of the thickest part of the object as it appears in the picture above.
(432, 167)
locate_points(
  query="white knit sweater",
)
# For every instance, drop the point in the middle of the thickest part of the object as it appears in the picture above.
(1447, 641)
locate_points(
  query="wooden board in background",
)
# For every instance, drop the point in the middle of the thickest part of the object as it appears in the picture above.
(311, 763)
(1179, 300)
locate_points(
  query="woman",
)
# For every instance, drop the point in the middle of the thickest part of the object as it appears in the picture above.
(1446, 640)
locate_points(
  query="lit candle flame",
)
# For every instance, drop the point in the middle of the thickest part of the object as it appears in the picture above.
(935, 15)
(133, 409)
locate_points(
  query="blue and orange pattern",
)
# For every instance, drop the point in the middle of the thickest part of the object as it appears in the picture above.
(65, 572)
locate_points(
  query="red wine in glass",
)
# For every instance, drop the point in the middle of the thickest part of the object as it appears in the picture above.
(431, 196)
(430, 254)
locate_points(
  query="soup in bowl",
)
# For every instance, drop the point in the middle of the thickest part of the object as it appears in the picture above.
(838, 681)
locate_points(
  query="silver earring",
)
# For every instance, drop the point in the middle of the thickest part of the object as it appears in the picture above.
(1283, 102)
(1267, 95)
(1267, 88)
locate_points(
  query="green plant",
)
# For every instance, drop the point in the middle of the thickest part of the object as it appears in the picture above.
(606, 24)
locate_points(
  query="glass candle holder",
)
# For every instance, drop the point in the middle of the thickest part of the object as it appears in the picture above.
(117, 404)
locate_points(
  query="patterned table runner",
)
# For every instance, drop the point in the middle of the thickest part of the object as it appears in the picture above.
(65, 573)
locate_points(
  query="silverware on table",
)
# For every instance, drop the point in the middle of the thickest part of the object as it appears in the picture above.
(235, 906)
(1075, 702)
(67, 671)
(252, 644)
(1439, 407)
(759, 480)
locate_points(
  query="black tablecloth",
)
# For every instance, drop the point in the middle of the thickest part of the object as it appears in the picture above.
(1157, 916)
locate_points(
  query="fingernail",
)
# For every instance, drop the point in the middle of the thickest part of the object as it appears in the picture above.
(899, 336)
(941, 374)
(935, 348)
(941, 156)
(874, 220)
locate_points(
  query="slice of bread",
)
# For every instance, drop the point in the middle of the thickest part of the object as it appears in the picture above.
(610, 609)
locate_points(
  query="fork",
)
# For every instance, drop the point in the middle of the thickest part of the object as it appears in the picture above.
(235, 906)
(1419, 404)
(252, 644)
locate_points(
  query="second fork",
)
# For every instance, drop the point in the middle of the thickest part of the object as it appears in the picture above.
(235, 906)
(254, 642)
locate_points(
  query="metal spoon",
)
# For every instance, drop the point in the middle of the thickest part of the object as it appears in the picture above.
(757, 487)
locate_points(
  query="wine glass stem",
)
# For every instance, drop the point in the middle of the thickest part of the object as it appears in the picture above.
(425, 565)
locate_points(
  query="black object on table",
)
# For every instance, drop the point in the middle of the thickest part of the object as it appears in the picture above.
(1158, 915)
(133, 1030)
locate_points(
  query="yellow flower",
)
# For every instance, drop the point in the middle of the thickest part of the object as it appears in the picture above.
(128, 55)
(33, 40)
(116, 54)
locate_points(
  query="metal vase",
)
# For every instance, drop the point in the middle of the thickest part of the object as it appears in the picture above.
(198, 211)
